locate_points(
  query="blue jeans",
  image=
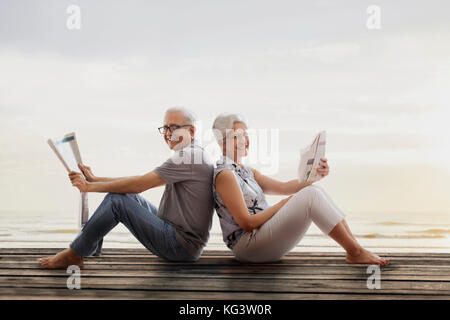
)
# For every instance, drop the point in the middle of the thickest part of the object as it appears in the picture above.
(140, 217)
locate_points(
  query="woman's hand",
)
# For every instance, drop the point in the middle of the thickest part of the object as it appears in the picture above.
(324, 169)
(87, 172)
(78, 181)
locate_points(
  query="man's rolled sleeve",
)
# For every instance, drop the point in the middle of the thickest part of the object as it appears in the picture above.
(172, 172)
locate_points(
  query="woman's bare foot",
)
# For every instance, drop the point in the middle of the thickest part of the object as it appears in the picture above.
(364, 256)
(62, 260)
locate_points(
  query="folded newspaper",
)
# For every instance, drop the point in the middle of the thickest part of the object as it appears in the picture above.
(66, 149)
(310, 159)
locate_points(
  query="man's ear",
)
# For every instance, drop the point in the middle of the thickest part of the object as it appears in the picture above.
(192, 131)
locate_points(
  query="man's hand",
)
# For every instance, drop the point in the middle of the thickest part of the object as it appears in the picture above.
(78, 181)
(87, 172)
(324, 168)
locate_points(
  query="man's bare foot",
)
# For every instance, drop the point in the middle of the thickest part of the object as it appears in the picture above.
(364, 256)
(62, 260)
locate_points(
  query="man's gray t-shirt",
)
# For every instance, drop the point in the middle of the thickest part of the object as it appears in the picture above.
(187, 203)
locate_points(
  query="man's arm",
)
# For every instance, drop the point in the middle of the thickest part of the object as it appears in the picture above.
(105, 179)
(87, 171)
(134, 184)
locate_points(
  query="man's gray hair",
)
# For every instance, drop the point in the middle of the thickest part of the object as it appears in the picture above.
(188, 115)
(224, 122)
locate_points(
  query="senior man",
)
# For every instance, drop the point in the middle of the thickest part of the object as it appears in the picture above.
(179, 229)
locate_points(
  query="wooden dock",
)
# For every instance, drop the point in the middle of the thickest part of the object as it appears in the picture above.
(137, 274)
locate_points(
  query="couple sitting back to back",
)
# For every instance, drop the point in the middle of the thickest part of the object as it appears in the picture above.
(179, 229)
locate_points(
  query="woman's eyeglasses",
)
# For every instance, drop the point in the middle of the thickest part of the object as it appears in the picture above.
(172, 128)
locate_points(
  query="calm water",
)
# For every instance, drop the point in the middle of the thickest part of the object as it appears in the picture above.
(381, 233)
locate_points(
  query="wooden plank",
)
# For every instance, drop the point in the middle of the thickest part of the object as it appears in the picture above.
(234, 285)
(237, 267)
(12, 293)
(226, 252)
(207, 274)
(204, 268)
(322, 257)
(144, 252)
(288, 260)
(274, 274)
(250, 267)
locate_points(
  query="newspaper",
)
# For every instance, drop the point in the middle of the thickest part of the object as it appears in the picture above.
(310, 159)
(67, 151)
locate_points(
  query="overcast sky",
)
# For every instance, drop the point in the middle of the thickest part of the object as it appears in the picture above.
(294, 66)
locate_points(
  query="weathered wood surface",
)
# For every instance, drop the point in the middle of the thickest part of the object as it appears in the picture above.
(137, 274)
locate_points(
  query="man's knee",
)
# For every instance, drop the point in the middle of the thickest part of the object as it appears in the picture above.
(117, 200)
(111, 194)
(134, 196)
(116, 195)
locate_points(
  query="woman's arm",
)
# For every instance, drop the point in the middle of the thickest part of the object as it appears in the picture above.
(273, 186)
(135, 184)
(230, 192)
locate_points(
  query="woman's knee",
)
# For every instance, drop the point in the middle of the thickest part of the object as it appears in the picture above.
(317, 186)
(309, 191)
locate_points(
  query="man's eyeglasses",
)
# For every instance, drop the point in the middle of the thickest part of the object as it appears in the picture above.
(172, 128)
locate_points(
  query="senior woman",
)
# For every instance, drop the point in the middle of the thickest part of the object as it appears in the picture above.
(257, 232)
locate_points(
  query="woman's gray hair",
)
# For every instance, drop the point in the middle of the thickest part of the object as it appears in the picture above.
(188, 115)
(224, 122)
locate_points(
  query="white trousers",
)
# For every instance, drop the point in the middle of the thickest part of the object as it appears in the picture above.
(281, 233)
